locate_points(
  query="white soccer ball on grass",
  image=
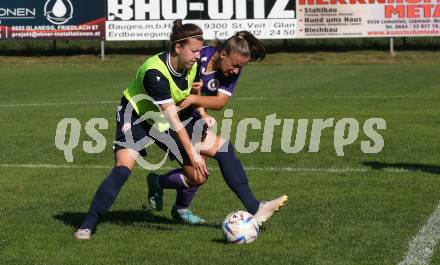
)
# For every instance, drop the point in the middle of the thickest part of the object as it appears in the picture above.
(240, 227)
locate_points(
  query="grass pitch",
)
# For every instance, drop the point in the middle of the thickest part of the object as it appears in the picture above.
(356, 209)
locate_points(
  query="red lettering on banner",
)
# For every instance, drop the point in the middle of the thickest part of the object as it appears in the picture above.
(437, 11)
(412, 11)
(391, 10)
(427, 10)
(322, 2)
(358, 1)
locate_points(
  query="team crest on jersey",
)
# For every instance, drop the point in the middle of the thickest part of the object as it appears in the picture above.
(213, 84)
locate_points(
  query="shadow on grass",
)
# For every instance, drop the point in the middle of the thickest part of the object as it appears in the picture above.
(406, 166)
(219, 241)
(128, 217)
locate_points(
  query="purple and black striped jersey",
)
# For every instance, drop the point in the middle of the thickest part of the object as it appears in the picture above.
(215, 82)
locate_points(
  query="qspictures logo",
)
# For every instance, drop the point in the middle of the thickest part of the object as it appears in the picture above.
(346, 131)
(58, 12)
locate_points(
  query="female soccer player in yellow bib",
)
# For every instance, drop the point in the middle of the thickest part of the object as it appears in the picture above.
(161, 82)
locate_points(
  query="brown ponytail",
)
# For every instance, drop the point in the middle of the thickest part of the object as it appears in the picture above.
(245, 44)
(182, 32)
(256, 47)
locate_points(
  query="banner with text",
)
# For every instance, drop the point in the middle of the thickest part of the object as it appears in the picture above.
(52, 19)
(367, 18)
(152, 20)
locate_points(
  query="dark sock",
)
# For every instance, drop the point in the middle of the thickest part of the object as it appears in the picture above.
(234, 175)
(172, 180)
(105, 196)
(185, 196)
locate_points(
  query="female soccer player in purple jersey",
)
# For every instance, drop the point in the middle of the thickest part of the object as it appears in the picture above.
(221, 68)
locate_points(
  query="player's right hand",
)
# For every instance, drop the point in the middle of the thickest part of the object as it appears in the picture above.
(188, 101)
(200, 169)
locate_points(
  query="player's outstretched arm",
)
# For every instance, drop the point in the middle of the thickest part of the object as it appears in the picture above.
(208, 102)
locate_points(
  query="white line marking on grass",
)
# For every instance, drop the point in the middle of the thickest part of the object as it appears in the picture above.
(334, 97)
(52, 166)
(421, 248)
(44, 104)
(270, 169)
(306, 169)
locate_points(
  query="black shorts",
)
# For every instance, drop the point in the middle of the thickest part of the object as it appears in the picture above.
(139, 136)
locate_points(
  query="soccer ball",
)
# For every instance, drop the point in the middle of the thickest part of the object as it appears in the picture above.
(240, 227)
